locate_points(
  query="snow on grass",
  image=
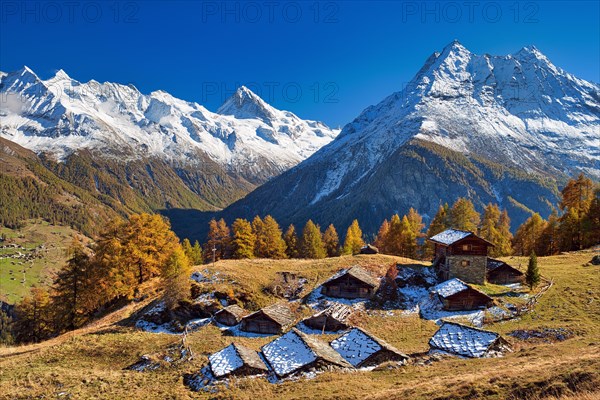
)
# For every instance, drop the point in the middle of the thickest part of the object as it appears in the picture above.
(151, 327)
(195, 324)
(413, 296)
(203, 381)
(167, 327)
(205, 276)
(317, 301)
(418, 300)
(355, 346)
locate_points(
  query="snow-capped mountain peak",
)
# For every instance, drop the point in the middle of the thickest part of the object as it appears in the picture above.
(492, 128)
(60, 75)
(20, 79)
(61, 116)
(245, 104)
(515, 108)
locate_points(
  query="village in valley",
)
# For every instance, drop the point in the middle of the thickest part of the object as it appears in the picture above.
(316, 332)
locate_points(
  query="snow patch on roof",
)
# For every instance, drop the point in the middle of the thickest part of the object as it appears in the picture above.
(450, 236)
(449, 287)
(355, 346)
(288, 353)
(463, 340)
(225, 361)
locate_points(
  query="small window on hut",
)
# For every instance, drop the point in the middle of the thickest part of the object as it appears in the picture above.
(467, 247)
(465, 263)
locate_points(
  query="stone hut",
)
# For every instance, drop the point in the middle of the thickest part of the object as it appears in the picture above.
(460, 254)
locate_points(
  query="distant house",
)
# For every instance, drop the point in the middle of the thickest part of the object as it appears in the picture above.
(236, 360)
(501, 273)
(230, 315)
(296, 351)
(369, 249)
(273, 319)
(351, 283)
(361, 349)
(456, 295)
(332, 319)
(466, 341)
(460, 254)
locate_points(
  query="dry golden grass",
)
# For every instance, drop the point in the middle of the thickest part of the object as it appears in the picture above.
(89, 363)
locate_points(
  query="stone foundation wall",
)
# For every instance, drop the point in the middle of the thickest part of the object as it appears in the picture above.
(474, 273)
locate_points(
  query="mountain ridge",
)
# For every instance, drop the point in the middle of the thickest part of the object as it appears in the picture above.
(110, 137)
(108, 115)
(506, 129)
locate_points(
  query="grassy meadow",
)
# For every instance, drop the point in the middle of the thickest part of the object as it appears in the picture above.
(89, 363)
(17, 276)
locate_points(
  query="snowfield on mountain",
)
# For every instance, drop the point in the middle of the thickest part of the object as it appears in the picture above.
(61, 116)
(503, 129)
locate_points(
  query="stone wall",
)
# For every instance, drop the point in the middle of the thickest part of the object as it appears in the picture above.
(474, 273)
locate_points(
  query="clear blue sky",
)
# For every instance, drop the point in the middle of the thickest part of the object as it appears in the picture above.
(322, 60)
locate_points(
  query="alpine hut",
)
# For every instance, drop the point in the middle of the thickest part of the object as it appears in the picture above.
(351, 283)
(332, 319)
(460, 254)
(274, 319)
(236, 360)
(369, 249)
(467, 341)
(296, 351)
(456, 295)
(230, 315)
(361, 349)
(501, 273)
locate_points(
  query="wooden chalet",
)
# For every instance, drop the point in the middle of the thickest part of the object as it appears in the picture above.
(456, 295)
(369, 249)
(467, 341)
(460, 254)
(296, 352)
(351, 283)
(361, 349)
(274, 319)
(500, 273)
(332, 319)
(236, 360)
(230, 315)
